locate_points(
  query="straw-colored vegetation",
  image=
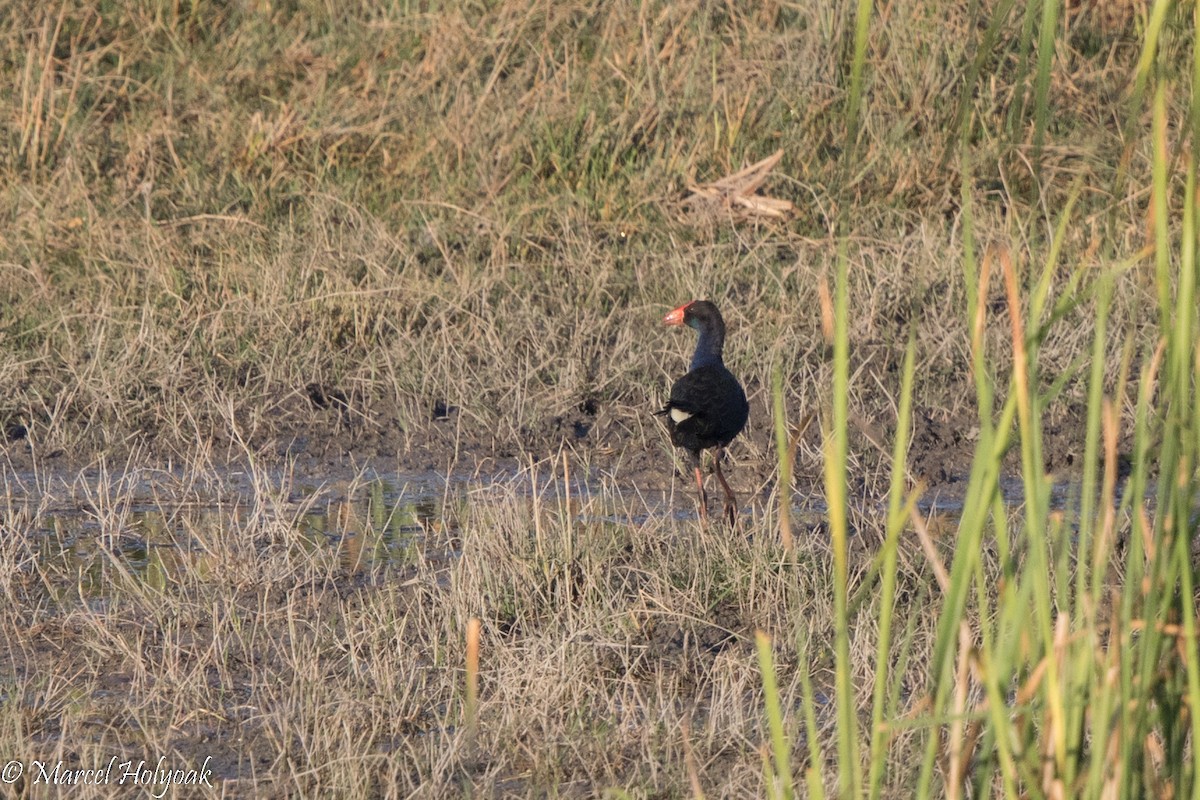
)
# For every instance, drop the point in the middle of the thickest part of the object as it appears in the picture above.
(256, 233)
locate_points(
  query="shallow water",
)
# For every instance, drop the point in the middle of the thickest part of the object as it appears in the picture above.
(155, 546)
(90, 532)
(86, 534)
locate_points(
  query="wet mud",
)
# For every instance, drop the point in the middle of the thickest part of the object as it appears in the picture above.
(325, 429)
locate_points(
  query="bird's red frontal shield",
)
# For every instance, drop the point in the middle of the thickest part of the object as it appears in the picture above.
(676, 316)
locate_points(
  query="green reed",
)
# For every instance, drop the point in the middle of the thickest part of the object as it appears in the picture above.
(1065, 665)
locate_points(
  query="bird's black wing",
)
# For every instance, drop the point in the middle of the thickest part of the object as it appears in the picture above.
(707, 408)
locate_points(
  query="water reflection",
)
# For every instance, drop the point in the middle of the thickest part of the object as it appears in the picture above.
(372, 535)
(354, 526)
(72, 551)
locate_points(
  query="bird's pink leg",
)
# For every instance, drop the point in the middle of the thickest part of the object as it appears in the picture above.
(703, 496)
(731, 506)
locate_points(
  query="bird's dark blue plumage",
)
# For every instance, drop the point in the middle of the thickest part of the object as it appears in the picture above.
(707, 407)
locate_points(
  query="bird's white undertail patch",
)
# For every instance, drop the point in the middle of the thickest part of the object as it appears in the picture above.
(678, 415)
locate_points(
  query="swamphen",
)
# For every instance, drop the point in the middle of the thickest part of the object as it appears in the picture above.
(708, 406)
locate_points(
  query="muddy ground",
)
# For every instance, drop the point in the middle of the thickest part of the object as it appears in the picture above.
(322, 429)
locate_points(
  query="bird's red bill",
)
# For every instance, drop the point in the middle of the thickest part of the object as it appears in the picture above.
(676, 316)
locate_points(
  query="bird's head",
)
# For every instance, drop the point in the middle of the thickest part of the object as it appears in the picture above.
(698, 314)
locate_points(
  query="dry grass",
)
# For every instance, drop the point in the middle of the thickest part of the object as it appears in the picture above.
(210, 209)
(279, 235)
(300, 667)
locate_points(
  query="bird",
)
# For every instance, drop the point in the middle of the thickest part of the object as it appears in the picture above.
(707, 407)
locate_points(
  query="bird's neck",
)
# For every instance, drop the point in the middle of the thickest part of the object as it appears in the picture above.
(708, 349)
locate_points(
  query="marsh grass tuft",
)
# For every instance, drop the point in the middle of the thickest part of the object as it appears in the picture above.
(780, 775)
